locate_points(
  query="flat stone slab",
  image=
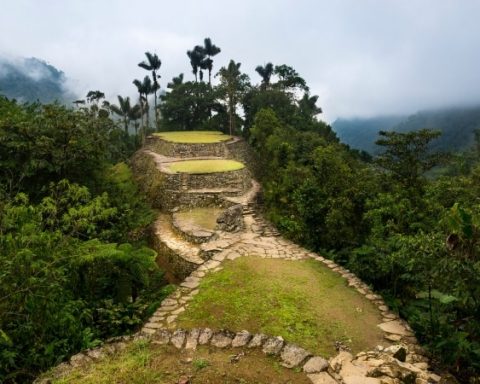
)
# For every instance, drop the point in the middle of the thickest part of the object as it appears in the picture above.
(321, 378)
(361, 380)
(315, 365)
(396, 327)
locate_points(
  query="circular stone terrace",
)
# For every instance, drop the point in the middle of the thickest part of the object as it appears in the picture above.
(194, 137)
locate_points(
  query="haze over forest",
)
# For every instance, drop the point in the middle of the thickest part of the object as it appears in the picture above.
(363, 59)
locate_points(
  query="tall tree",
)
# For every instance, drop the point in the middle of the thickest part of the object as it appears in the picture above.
(289, 78)
(122, 109)
(266, 73)
(407, 156)
(153, 64)
(144, 89)
(197, 60)
(233, 84)
(178, 80)
(210, 50)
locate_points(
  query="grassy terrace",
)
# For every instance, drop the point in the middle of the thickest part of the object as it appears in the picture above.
(205, 166)
(205, 218)
(194, 137)
(302, 301)
(144, 363)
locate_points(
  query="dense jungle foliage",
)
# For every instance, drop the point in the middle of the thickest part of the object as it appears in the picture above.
(415, 239)
(73, 265)
(74, 268)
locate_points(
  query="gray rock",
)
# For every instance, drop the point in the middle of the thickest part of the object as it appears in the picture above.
(178, 338)
(257, 340)
(96, 353)
(162, 336)
(293, 356)
(241, 339)
(205, 336)
(231, 220)
(222, 339)
(192, 339)
(79, 360)
(273, 345)
(315, 364)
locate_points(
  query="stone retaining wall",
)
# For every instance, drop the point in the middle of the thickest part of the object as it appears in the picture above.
(149, 179)
(167, 191)
(239, 179)
(180, 150)
(236, 149)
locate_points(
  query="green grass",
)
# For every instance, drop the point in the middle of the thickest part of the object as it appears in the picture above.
(194, 137)
(205, 218)
(144, 363)
(302, 301)
(205, 166)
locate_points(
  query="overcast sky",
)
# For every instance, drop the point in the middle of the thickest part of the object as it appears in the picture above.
(362, 57)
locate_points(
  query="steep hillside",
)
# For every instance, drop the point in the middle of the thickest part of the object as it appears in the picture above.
(361, 133)
(457, 126)
(31, 80)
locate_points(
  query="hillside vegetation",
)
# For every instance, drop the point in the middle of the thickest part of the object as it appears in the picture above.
(74, 264)
(457, 125)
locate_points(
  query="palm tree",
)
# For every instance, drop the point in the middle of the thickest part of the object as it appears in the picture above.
(176, 81)
(232, 85)
(210, 50)
(144, 89)
(266, 73)
(123, 109)
(134, 115)
(153, 64)
(197, 60)
(308, 105)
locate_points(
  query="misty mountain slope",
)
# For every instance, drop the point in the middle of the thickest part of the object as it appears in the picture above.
(361, 133)
(32, 79)
(456, 124)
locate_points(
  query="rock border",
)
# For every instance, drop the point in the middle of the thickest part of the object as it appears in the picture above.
(380, 366)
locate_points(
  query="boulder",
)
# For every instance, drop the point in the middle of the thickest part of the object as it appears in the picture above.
(257, 340)
(222, 339)
(178, 338)
(205, 336)
(241, 339)
(292, 356)
(231, 220)
(273, 345)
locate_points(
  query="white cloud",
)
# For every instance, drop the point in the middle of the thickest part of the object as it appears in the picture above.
(362, 57)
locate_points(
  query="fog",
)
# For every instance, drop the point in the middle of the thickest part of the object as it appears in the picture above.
(362, 58)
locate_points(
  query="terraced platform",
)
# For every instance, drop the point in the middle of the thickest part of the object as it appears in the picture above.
(243, 279)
